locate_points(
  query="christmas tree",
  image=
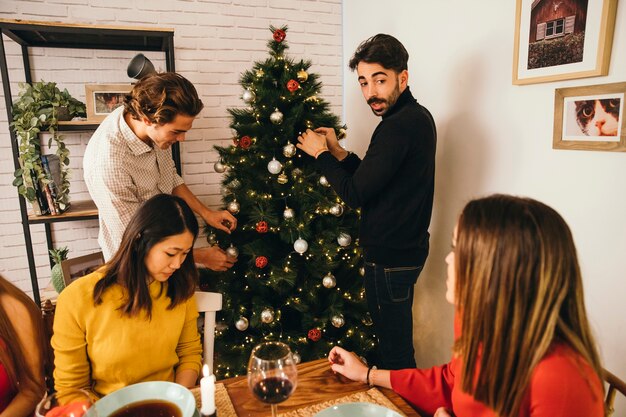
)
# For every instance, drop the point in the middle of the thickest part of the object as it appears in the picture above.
(298, 278)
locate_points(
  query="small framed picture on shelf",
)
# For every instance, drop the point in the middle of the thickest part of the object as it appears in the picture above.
(590, 118)
(102, 99)
(78, 267)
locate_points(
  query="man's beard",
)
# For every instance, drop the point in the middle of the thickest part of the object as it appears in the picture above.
(389, 102)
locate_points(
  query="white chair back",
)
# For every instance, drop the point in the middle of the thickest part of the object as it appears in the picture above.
(208, 303)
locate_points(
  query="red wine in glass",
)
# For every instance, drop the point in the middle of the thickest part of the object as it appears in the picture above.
(272, 373)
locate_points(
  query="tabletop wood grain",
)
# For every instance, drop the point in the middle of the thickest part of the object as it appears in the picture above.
(316, 383)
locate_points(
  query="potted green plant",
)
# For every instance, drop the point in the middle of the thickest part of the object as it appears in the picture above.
(35, 111)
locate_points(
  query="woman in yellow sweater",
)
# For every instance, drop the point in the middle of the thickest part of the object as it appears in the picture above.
(134, 319)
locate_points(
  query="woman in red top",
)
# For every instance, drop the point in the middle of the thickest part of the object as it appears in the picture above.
(525, 348)
(21, 352)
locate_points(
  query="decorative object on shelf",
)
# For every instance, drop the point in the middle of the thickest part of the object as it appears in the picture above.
(58, 256)
(139, 67)
(590, 118)
(344, 239)
(75, 268)
(34, 112)
(557, 40)
(102, 99)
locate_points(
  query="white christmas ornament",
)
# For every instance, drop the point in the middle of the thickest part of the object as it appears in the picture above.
(248, 96)
(289, 150)
(232, 251)
(324, 181)
(300, 245)
(241, 324)
(219, 167)
(344, 239)
(338, 320)
(336, 210)
(233, 207)
(288, 213)
(276, 117)
(267, 315)
(329, 281)
(274, 166)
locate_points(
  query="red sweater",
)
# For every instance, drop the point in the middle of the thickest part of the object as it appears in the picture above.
(562, 384)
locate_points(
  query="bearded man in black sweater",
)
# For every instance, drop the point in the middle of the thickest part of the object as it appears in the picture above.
(393, 185)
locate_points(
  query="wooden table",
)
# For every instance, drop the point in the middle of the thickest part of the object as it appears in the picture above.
(316, 383)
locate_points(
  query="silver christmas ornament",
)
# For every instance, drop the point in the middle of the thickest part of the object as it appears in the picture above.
(233, 207)
(296, 357)
(362, 271)
(267, 315)
(241, 324)
(289, 150)
(219, 167)
(211, 239)
(329, 281)
(288, 214)
(344, 239)
(276, 117)
(324, 182)
(300, 245)
(232, 251)
(336, 210)
(338, 320)
(274, 166)
(248, 96)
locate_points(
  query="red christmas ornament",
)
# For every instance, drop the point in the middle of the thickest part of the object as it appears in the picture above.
(315, 334)
(261, 226)
(260, 262)
(245, 142)
(293, 85)
(279, 35)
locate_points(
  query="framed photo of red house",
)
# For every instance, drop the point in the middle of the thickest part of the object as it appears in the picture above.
(590, 118)
(562, 39)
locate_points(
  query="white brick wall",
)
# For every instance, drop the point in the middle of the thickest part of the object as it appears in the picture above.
(214, 41)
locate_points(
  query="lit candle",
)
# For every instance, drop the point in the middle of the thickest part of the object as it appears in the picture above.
(207, 392)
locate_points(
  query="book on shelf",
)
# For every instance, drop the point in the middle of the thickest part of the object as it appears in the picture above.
(39, 196)
(52, 169)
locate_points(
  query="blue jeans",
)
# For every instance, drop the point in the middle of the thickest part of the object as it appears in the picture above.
(389, 293)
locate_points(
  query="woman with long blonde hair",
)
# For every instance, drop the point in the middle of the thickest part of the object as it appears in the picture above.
(523, 344)
(21, 352)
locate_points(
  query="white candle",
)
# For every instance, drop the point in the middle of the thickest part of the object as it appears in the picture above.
(207, 391)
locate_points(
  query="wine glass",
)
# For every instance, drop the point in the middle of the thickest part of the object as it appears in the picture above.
(272, 373)
(69, 403)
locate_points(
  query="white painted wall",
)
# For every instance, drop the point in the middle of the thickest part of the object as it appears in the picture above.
(497, 137)
(215, 40)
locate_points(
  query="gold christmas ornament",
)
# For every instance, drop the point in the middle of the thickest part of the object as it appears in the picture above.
(302, 76)
(282, 178)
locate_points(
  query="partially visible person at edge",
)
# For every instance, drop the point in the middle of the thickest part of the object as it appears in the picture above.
(129, 159)
(22, 354)
(134, 319)
(394, 186)
(523, 346)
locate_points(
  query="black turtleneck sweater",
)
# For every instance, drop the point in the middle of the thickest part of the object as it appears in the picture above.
(393, 184)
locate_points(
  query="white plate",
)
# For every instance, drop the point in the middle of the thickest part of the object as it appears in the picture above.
(357, 410)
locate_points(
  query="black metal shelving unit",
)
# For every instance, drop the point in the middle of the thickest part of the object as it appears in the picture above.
(30, 34)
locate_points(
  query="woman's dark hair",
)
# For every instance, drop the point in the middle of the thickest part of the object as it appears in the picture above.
(160, 97)
(381, 49)
(12, 353)
(158, 218)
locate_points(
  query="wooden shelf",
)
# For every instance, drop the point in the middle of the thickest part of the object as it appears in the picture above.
(78, 125)
(67, 35)
(79, 210)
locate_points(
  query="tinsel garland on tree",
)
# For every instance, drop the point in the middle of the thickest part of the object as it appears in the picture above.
(298, 278)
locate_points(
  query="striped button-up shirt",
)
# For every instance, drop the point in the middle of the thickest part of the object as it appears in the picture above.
(121, 171)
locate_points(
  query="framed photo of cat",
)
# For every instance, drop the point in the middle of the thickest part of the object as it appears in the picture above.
(562, 39)
(590, 118)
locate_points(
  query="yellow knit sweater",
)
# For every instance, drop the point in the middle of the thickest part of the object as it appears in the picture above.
(97, 348)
